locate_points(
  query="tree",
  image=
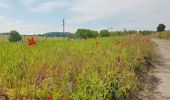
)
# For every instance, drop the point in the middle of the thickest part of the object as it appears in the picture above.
(161, 27)
(86, 33)
(104, 33)
(14, 36)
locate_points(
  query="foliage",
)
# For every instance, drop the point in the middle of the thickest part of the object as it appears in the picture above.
(104, 33)
(14, 36)
(86, 33)
(103, 68)
(146, 32)
(161, 27)
(125, 32)
(129, 32)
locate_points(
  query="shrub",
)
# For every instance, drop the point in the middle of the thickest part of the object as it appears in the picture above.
(14, 36)
(86, 33)
(104, 33)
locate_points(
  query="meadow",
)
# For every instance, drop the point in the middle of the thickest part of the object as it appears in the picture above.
(101, 68)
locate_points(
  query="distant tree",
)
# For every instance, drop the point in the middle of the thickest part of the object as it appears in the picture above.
(161, 27)
(86, 33)
(105, 33)
(14, 36)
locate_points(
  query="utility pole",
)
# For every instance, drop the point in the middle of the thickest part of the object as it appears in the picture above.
(63, 26)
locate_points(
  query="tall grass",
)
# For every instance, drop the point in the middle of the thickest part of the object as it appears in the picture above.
(164, 35)
(103, 68)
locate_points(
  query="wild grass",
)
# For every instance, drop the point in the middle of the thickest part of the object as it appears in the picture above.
(164, 35)
(103, 68)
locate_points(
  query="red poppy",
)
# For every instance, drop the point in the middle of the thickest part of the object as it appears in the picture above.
(31, 42)
(50, 98)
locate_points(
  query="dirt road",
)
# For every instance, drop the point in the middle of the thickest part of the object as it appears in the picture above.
(163, 69)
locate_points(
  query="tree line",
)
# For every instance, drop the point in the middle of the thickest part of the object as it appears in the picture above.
(14, 36)
(87, 33)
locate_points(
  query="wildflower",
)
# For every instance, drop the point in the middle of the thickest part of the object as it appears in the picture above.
(50, 98)
(31, 42)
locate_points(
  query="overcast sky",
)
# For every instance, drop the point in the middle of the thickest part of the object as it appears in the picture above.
(40, 16)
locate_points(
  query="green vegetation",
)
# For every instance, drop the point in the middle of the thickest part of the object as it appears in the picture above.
(86, 33)
(161, 27)
(104, 33)
(125, 32)
(14, 36)
(103, 68)
(129, 32)
(146, 32)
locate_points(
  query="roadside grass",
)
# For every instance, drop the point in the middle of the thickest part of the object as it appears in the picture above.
(164, 35)
(102, 68)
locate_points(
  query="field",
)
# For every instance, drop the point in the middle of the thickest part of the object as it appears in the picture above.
(101, 68)
(164, 35)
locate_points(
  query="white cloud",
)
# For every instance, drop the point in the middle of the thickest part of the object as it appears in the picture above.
(25, 27)
(2, 18)
(19, 21)
(121, 11)
(95, 14)
(48, 6)
(28, 2)
(5, 4)
(44, 7)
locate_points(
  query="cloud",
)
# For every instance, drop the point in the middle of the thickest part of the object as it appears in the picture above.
(25, 27)
(5, 4)
(93, 14)
(48, 6)
(44, 7)
(19, 21)
(28, 2)
(120, 11)
(2, 18)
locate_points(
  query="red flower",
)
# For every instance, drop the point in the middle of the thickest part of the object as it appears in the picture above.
(31, 42)
(50, 98)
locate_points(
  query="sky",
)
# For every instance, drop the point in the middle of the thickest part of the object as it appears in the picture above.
(41, 16)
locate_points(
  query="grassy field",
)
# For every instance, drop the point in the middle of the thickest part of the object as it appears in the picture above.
(102, 68)
(163, 35)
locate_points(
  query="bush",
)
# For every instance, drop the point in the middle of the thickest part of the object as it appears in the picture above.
(86, 33)
(14, 36)
(104, 33)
